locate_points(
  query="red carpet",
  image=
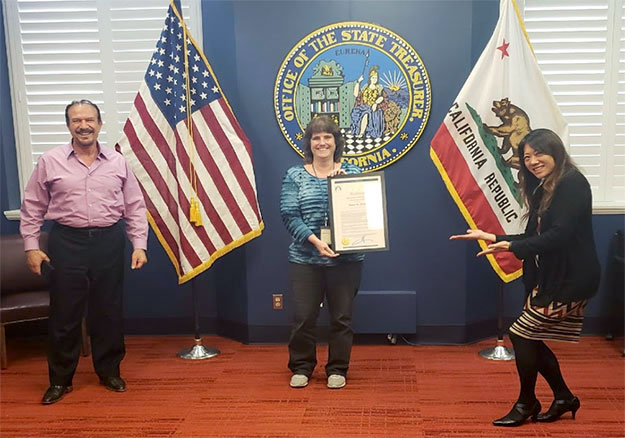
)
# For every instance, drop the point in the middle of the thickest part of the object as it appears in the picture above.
(392, 391)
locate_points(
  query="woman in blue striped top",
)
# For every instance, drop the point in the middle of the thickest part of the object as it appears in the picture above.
(316, 270)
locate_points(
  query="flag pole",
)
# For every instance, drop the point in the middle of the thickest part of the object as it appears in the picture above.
(499, 351)
(198, 351)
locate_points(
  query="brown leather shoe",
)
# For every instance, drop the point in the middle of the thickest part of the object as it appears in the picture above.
(113, 383)
(55, 393)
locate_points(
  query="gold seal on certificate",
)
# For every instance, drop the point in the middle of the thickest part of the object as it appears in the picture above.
(358, 212)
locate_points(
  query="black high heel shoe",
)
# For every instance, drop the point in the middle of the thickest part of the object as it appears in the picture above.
(558, 408)
(518, 414)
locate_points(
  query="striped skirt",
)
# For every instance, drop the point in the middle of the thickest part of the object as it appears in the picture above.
(556, 322)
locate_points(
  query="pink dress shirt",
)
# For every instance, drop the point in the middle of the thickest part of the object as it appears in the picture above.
(63, 189)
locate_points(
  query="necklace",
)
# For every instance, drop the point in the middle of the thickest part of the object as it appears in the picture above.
(315, 170)
(324, 194)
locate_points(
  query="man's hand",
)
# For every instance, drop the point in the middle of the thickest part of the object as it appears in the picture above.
(34, 259)
(138, 259)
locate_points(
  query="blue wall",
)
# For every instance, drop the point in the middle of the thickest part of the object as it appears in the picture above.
(442, 33)
(455, 291)
(9, 185)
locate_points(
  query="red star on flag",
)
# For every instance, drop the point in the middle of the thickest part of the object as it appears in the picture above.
(504, 49)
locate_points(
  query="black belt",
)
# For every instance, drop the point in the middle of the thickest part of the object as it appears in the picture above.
(87, 231)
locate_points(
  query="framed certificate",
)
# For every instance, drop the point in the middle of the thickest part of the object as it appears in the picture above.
(358, 212)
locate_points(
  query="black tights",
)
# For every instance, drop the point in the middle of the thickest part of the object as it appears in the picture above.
(533, 357)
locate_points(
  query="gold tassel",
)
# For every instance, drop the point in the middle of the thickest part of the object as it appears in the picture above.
(195, 216)
(191, 211)
(198, 221)
(198, 214)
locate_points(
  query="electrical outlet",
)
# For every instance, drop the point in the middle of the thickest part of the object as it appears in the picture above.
(277, 301)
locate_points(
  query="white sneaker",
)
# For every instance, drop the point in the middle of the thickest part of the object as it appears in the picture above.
(299, 381)
(336, 381)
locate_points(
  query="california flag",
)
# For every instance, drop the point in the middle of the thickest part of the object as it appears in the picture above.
(475, 148)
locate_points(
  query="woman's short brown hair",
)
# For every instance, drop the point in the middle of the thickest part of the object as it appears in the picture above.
(323, 124)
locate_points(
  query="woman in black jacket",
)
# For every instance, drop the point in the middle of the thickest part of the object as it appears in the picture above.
(560, 270)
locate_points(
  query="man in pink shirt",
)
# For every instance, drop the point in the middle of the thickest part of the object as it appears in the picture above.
(86, 189)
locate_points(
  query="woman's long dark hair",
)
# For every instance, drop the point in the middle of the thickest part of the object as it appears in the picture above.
(323, 124)
(547, 142)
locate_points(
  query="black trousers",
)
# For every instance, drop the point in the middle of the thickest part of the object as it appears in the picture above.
(310, 283)
(88, 275)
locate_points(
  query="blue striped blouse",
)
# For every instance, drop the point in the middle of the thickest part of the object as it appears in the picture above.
(304, 206)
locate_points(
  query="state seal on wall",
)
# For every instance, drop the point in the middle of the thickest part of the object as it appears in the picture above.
(368, 79)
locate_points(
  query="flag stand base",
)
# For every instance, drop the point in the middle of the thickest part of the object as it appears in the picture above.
(499, 352)
(198, 351)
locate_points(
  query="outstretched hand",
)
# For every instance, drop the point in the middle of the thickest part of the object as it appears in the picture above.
(494, 248)
(474, 235)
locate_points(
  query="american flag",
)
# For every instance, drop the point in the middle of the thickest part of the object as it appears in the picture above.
(177, 162)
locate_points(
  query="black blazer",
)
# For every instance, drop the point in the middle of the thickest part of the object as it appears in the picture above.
(569, 267)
